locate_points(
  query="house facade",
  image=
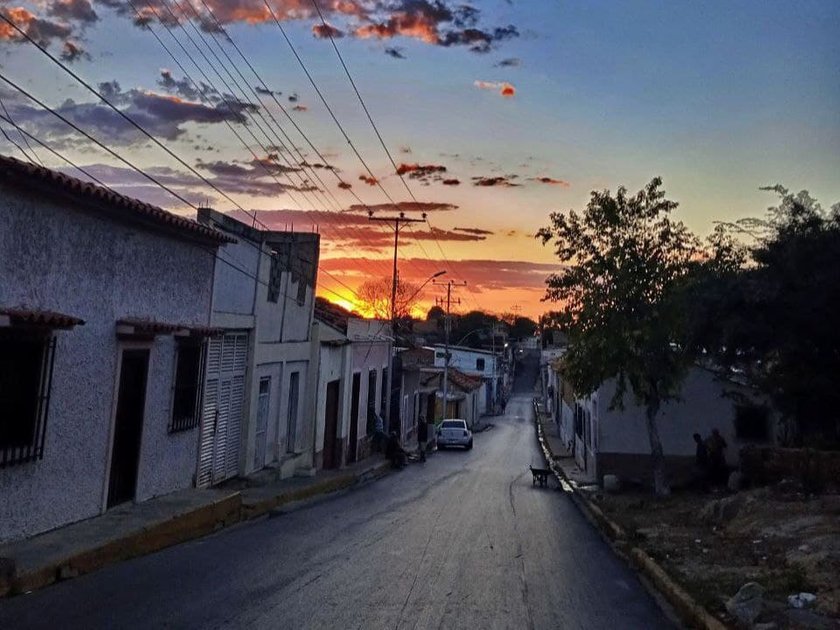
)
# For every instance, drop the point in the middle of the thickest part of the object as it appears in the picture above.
(484, 364)
(353, 382)
(257, 409)
(104, 320)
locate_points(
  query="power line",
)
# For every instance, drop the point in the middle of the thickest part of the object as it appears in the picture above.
(118, 111)
(22, 135)
(211, 85)
(324, 101)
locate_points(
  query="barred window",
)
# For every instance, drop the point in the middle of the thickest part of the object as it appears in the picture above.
(275, 278)
(187, 385)
(26, 361)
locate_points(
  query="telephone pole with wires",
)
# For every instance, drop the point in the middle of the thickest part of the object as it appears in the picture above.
(448, 301)
(398, 221)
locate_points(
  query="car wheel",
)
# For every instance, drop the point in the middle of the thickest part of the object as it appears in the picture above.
(469, 446)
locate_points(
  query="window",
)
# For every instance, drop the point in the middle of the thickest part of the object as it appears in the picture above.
(187, 387)
(291, 422)
(751, 423)
(440, 355)
(301, 291)
(479, 364)
(275, 278)
(25, 374)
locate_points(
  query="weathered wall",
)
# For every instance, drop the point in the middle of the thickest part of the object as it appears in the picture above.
(52, 257)
(701, 408)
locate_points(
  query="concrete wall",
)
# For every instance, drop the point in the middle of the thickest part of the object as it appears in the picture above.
(54, 256)
(281, 340)
(465, 361)
(701, 408)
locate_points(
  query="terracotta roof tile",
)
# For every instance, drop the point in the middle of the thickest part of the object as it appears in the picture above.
(14, 170)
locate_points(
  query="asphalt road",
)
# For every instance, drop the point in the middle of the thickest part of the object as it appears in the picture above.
(462, 541)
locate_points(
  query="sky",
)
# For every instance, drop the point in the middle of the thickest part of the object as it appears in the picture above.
(495, 113)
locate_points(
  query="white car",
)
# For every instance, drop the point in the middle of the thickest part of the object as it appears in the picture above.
(454, 433)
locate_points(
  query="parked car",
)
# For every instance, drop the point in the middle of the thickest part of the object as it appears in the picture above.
(454, 433)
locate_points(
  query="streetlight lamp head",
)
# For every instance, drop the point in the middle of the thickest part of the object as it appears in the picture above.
(439, 274)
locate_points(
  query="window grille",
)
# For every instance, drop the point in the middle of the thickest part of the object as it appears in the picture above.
(189, 375)
(26, 368)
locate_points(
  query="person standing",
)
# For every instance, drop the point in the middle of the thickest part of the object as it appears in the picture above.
(717, 455)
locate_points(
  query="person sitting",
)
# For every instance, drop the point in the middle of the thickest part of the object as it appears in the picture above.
(394, 451)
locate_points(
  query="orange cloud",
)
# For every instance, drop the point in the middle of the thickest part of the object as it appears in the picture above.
(367, 179)
(505, 89)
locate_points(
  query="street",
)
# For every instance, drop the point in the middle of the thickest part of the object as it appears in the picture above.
(462, 541)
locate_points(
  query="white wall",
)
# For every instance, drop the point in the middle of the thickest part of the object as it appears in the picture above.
(54, 257)
(702, 407)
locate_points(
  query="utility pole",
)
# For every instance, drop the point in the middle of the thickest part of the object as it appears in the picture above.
(398, 221)
(446, 326)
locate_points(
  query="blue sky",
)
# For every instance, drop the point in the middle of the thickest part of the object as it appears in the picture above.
(718, 98)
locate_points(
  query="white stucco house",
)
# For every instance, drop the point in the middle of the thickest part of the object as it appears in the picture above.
(104, 316)
(615, 441)
(484, 364)
(258, 398)
(352, 383)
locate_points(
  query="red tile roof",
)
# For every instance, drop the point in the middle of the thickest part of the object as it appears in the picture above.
(47, 319)
(464, 382)
(37, 177)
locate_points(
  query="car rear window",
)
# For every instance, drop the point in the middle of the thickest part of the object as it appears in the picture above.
(454, 424)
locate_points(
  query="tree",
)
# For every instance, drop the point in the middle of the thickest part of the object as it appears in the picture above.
(625, 258)
(774, 318)
(523, 327)
(435, 313)
(375, 296)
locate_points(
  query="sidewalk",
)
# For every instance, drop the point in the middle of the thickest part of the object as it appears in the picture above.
(136, 529)
(562, 457)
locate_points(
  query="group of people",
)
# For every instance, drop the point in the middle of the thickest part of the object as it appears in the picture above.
(710, 458)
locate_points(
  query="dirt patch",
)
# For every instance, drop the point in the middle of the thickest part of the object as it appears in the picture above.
(713, 543)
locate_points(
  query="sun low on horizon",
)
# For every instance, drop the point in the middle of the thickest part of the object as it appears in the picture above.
(475, 119)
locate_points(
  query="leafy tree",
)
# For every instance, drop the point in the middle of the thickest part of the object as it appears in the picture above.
(523, 327)
(436, 313)
(775, 317)
(624, 258)
(375, 296)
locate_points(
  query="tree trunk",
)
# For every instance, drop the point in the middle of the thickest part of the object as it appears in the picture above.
(660, 483)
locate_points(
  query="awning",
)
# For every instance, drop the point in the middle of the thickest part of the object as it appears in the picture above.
(37, 318)
(135, 328)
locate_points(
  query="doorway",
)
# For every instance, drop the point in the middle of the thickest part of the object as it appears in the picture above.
(331, 454)
(354, 418)
(128, 426)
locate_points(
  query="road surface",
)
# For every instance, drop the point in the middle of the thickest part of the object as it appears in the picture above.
(462, 541)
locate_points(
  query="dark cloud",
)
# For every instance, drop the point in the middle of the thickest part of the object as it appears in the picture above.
(345, 185)
(476, 231)
(265, 92)
(325, 31)
(71, 51)
(510, 62)
(73, 11)
(293, 98)
(422, 172)
(185, 88)
(42, 30)
(367, 179)
(451, 182)
(405, 149)
(498, 180)
(394, 51)
(551, 181)
(300, 108)
(405, 206)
